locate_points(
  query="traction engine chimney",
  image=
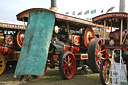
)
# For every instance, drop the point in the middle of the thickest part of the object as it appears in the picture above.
(122, 7)
(53, 5)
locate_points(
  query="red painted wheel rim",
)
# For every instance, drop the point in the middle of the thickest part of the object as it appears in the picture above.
(20, 37)
(99, 53)
(69, 66)
(88, 35)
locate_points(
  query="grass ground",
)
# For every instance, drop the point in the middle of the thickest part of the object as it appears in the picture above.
(52, 77)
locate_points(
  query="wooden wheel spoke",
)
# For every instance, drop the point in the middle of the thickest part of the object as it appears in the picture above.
(106, 79)
(65, 65)
(100, 45)
(97, 47)
(98, 63)
(102, 58)
(65, 61)
(103, 68)
(1, 64)
(70, 69)
(64, 68)
(68, 58)
(68, 73)
(71, 63)
(104, 72)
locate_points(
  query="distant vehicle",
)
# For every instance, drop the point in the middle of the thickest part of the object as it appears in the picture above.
(118, 39)
(11, 39)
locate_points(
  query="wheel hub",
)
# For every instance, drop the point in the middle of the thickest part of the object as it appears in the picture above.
(99, 54)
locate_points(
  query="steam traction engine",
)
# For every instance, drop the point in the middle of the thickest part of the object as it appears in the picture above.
(11, 39)
(68, 45)
(118, 41)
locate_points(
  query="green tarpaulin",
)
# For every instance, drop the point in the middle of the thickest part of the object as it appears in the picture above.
(36, 43)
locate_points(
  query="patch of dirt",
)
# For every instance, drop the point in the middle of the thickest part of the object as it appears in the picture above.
(52, 77)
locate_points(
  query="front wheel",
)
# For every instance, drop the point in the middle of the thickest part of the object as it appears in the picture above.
(2, 64)
(67, 65)
(104, 71)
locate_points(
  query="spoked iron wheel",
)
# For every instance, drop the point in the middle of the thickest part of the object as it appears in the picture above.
(96, 54)
(2, 64)
(67, 65)
(104, 71)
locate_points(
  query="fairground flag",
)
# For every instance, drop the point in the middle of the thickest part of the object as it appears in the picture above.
(67, 13)
(102, 11)
(93, 11)
(87, 12)
(110, 9)
(73, 13)
(80, 13)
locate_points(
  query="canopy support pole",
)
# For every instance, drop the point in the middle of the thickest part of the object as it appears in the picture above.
(104, 30)
(111, 25)
(121, 31)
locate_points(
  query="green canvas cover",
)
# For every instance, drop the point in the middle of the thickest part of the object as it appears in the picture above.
(36, 43)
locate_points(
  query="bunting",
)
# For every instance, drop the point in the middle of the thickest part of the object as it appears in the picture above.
(73, 13)
(102, 11)
(110, 9)
(80, 13)
(87, 12)
(93, 11)
(67, 13)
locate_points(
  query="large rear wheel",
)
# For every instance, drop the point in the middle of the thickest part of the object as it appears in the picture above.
(88, 35)
(96, 54)
(104, 71)
(20, 37)
(67, 65)
(2, 64)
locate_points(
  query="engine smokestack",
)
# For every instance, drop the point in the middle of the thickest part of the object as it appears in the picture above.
(53, 5)
(122, 7)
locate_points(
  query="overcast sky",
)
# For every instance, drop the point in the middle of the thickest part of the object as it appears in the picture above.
(10, 8)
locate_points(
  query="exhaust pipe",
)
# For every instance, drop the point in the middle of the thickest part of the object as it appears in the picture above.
(53, 5)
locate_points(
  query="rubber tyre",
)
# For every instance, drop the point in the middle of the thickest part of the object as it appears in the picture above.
(104, 70)
(67, 65)
(92, 57)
